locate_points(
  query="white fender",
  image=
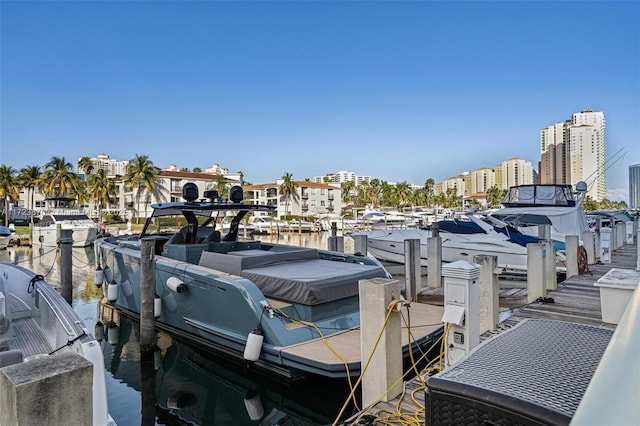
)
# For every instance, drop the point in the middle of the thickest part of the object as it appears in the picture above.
(99, 331)
(157, 306)
(176, 284)
(254, 345)
(112, 291)
(113, 334)
(253, 404)
(98, 277)
(108, 274)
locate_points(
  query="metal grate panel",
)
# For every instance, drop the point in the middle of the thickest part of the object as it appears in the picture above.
(539, 368)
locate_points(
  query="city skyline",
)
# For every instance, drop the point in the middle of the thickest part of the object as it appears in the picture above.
(402, 91)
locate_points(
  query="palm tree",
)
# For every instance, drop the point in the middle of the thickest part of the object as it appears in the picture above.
(403, 193)
(58, 177)
(85, 165)
(347, 189)
(494, 196)
(141, 176)
(101, 190)
(29, 178)
(9, 189)
(220, 185)
(429, 184)
(288, 189)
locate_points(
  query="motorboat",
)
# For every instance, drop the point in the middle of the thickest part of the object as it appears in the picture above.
(527, 207)
(36, 322)
(6, 235)
(376, 219)
(46, 232)
(264, 224)
(461, 240)
(285, 309)
(343, 224)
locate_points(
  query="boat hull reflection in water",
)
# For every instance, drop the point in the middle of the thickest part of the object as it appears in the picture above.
(180, 383)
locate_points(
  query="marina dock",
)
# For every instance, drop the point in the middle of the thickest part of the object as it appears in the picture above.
(576, 301)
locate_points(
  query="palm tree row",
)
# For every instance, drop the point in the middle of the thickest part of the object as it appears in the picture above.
(57, 179)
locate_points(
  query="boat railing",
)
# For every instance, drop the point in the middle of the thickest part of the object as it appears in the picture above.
(612, 394)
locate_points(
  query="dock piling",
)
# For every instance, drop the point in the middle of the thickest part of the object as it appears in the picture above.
(66, 271)
(385, 366)
(571, 247)
(535, 272)
(489, 298)
(147, 294)
(360, 244)
(412, 268)
(434, 262)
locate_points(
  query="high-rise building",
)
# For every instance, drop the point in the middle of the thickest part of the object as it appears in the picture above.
(634, 186)
(512, 172)
(574, 151)
(112, 166)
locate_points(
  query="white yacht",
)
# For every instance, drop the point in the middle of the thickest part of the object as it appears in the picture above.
(61, 216)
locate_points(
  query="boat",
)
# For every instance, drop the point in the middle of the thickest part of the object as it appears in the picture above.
(527, 207)
(376, 219)
(60, 215)
(6, 235)
(342, 224)
(35, 322)
(264, 224)
(461, 240)
(276, 307)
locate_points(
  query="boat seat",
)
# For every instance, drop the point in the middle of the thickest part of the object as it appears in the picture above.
(10, 357)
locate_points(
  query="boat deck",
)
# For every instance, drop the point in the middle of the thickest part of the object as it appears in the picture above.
(27, 337)
(576, 300)
(425, 320)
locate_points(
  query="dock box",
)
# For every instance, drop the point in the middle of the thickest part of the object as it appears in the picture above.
(616, 289)
(535, 373)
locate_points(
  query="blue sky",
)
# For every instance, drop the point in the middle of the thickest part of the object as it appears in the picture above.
(398, 90)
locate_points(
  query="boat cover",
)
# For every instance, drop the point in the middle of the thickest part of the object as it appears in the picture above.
(297, 275)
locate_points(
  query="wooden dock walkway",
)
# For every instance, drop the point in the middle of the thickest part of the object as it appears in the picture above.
(576, 300)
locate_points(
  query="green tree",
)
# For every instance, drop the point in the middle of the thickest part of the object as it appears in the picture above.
(288, 190)
(495, 196)
(29, 178)
(220, 185)
(197, 170)
(9, 189)
(429, 186)
(347, 189)
(141, 176)
(403, 193)
(101, 190)
(85, 165)
(58, 178)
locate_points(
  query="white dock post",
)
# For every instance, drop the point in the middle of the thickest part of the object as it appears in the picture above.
(360, 244)
(385, 366)
(588, 241)
(571, 249)
(628, 228)
(605, 244)
(535, 272)
(147, 293)
(489, 298)
(596, 238)
(461, 308)
(620, 234)
(434, 262)
(613, 243)
(412, 268)
(550, 271)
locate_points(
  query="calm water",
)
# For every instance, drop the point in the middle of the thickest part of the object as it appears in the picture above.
(182, 384)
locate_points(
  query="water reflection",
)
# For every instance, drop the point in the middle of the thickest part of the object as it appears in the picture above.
(183, 384)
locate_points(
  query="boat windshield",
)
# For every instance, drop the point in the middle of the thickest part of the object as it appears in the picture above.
(539, 195)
